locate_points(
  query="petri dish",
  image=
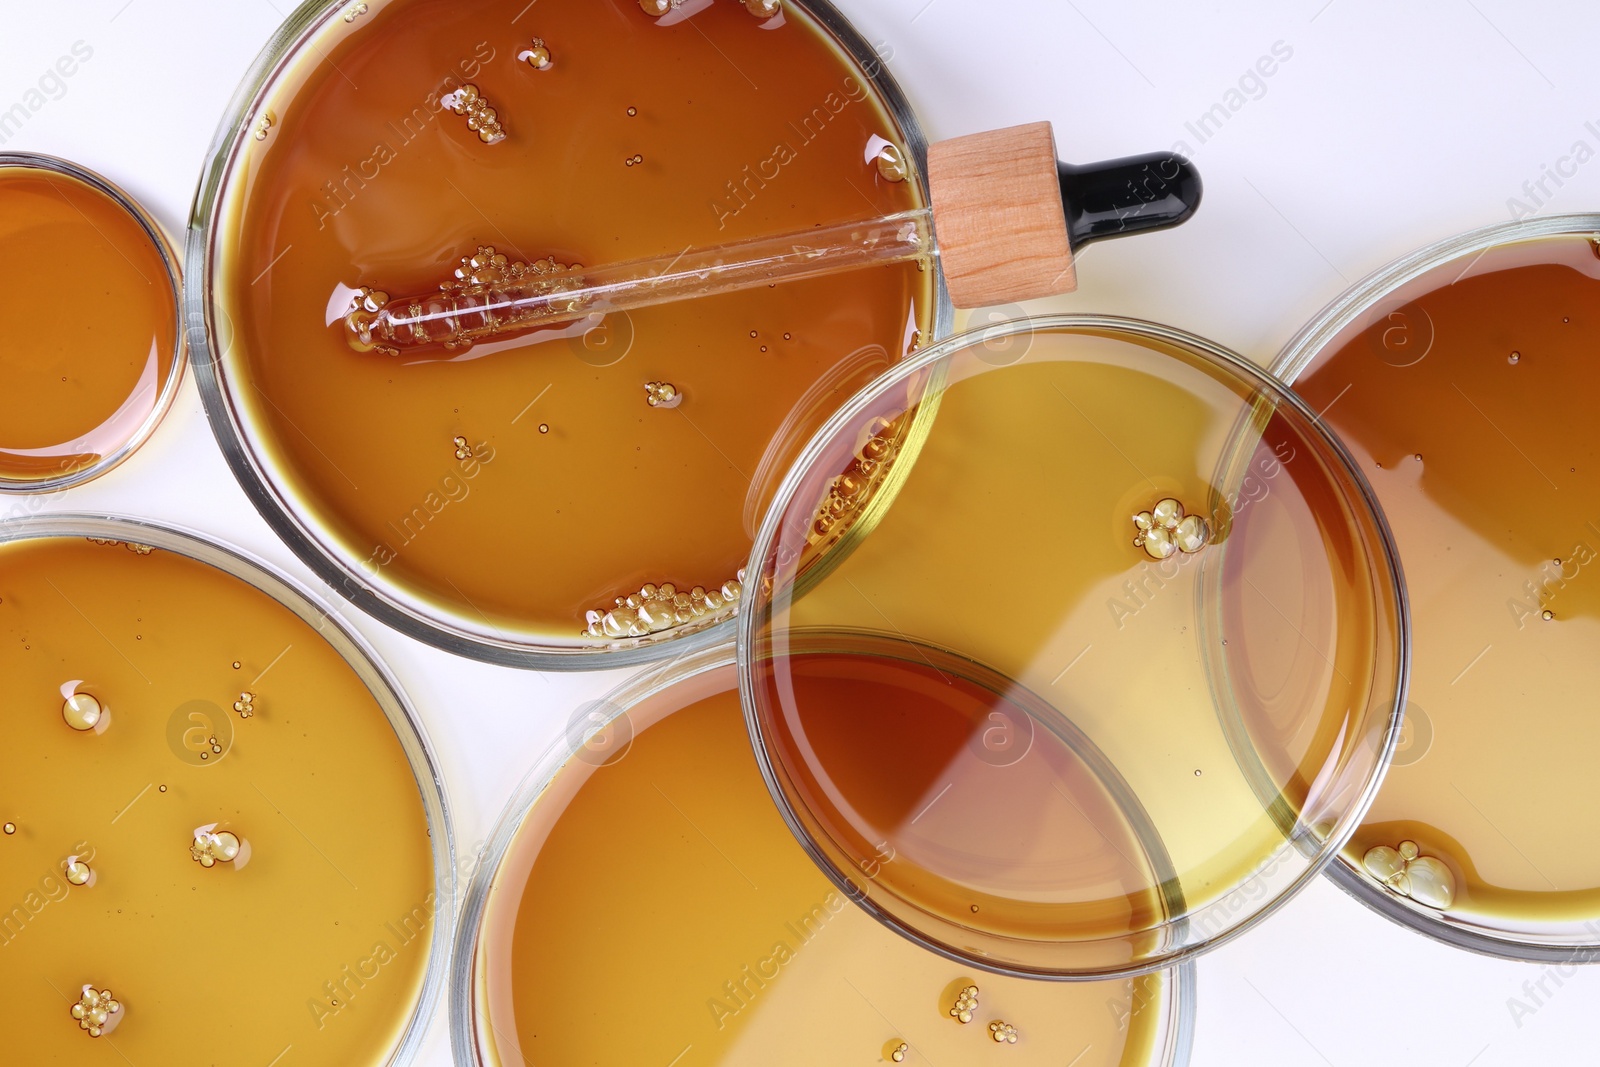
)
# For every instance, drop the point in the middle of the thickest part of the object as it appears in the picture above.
(220, 815)
(580, 491)
(641, 864)
(1073, 647)
(77, 399)
(1460, 377)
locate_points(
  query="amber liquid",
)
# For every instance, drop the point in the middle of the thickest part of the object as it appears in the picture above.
(642, 137)
(657, 907)
(1218, 687)
(81, 389)
(1468, 408)
(313, 948)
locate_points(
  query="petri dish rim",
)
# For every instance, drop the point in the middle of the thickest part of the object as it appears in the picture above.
(1309, 342)
(362, 658)
(174, 377)
(1176, 1041)
(1320, 856)
(330, 565)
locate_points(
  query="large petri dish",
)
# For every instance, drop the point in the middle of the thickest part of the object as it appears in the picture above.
(1461, 378)
(219, 813)
(78, 398)
(641, 901)
(580, 492)
(1073, 647)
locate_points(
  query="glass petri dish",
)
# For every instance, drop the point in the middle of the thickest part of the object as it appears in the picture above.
(577, 493)
(219, 812)
(1460, 377)
(641, 870)
(79, 398)
(1073, 647)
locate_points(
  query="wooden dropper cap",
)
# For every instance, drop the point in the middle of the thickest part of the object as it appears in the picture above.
(1009, 216)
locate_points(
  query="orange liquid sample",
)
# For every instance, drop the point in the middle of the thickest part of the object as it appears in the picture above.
(1468, 408)
(316, 936)
(665, 881)
(642, 137)
(81, 389)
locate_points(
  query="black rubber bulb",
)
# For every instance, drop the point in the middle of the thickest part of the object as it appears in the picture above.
(1122, 197)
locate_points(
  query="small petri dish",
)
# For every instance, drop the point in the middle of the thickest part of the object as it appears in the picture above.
(583, 493)
(77, 399)
(1461, 378)
(641, 864)
(1092, 627)
(224, 834)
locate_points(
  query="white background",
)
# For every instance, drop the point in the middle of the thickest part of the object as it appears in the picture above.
(1390, 126)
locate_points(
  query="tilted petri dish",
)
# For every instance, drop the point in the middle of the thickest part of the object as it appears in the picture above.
(1073, 647)
(224, 838)
(583, 492)
(641, 901)
(1462, 378)
(78, 397)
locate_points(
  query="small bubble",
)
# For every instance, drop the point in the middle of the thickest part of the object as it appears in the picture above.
(544, 427)
(1547, 615)
(162, 789)
(891, 164)
(1515, 357)
(237, 664)
(10, 828)
(82, 712)
(788, 337)
(76, 871)
(632, 111)
(1418, 457)
(755, 333)
(763, 348)
(1197, 772)
(974, 909)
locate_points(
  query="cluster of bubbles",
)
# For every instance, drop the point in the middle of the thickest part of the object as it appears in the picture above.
(966, 1004)
(245, 706)
(897, 1054)
(481, 118)
(1406, 871)
(655, 608)
(96, 1010)
(463, 450)
(136, 549)
(537, 56)
(851, 489)
(662, 394)
(1165, 529)
(212, 846)
(355, 11)
(1003, 1033)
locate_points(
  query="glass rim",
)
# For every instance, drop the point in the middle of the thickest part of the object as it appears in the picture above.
(1176, 1039)
(1309, 342)
(326, 561)
(1387, 567)
(174, 376)
(362, 658)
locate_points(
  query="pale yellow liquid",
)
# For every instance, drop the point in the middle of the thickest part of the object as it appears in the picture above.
(657, 907)
(1010, 542)
(315, 948)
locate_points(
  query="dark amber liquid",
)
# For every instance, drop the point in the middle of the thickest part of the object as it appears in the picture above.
(1469, 406)
(80, 389)
(642, 138)
(317, 941)
(657, 907)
